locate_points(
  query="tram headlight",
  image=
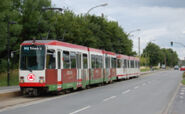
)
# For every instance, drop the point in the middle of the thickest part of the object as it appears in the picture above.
(41, 79)
(21, 79)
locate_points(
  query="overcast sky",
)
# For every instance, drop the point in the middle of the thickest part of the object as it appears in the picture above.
(160, 21)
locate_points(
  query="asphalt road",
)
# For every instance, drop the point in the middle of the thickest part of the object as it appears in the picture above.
(149, 94)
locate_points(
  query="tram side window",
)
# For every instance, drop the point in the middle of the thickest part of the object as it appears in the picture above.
(107, 60)
(119, 63)
(78, 60)
(51, 59)
(85, 61)
(136, 64)
(73, 59)
(93, 61)
(132, 64)
(66, 63)
(125, 63)
(129, 64)
(59, 59)
(99, 62)
(113, 62)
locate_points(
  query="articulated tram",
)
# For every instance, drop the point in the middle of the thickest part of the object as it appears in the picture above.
(51, 65)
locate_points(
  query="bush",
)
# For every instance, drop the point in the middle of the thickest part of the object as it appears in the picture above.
(3, 65)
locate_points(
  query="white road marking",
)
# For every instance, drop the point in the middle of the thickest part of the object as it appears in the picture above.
(181, 97)
(181, 93)
(112, 97)
(84, 108)
(125, 92)
(136, 87)
(182, 90)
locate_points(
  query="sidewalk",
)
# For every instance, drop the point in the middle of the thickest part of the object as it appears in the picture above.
(179, 102)
(8, 89)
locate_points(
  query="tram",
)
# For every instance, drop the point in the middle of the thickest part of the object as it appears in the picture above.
(51, 65)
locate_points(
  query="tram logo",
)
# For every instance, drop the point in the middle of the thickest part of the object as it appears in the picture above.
(31, 77)
(69, 72)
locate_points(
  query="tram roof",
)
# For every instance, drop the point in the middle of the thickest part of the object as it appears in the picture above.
(109, 52)
(95, 50)
(133, 58)
(54, 43)
(122, 56)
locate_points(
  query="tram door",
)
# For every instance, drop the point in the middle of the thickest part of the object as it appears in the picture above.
(85, 71)
(79, 69)
(59, 59)
(51, 71)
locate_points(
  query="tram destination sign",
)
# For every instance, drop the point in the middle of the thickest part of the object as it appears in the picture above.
(33, 48)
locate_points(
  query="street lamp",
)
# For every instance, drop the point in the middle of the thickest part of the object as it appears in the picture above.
(129, 34)
(47, 8)
(8, 48)
(136, 30)
(54, 9)
(101, 5)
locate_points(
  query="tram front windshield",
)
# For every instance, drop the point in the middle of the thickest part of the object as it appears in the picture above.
(32, 57)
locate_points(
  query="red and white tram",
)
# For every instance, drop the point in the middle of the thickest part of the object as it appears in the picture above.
(50, 65)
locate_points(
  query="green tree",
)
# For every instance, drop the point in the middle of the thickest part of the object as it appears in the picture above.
(35, 20)
(169, 57)
(154, 53)
(9, 11)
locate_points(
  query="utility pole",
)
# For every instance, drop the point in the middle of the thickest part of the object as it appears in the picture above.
(139, 46)
(8, 48)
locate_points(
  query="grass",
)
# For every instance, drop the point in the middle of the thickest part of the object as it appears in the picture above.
(14, 79)
(183, 79)
(144, 69)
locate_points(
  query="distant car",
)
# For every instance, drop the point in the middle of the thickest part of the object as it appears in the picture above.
(176, 67)
(163, 66)
(182, 68)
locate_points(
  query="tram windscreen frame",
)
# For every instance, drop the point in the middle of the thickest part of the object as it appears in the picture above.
(32, 57)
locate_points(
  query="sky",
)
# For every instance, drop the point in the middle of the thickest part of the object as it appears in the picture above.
(159, 21)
